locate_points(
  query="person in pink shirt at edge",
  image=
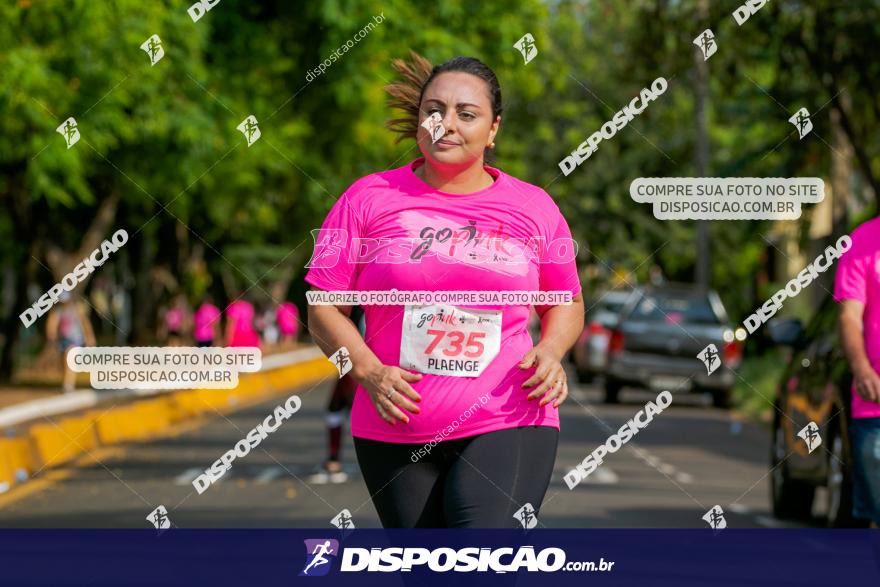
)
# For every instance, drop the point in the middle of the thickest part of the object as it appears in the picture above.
(206, 323)
(287, 317)
(857, 289)
(240, 330)
(175, 321)
(455, 419)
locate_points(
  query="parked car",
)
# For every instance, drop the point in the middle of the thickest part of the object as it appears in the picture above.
(590, 352)
(658, 336)
(815, 387)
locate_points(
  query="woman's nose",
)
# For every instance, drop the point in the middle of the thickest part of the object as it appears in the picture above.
(449, 121)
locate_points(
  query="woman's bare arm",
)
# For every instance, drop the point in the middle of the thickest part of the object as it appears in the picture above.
(331, 329)
(561, 326)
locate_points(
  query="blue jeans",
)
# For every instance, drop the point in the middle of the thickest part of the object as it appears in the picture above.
(865, 435)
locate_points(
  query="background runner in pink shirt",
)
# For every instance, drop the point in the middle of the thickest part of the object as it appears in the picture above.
(174, 321)
(287, 317)
(858, 279)
(206, 323)
(857, 287)
(240, 329)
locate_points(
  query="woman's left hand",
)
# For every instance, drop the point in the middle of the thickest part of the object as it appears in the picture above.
(549, 372)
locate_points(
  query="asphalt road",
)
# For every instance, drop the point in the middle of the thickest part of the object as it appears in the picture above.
(689, 459)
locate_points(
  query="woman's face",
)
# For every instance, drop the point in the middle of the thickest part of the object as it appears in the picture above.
(462, 100)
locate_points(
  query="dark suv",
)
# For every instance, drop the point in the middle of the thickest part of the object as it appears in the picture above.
(657, 339)
(815, 387)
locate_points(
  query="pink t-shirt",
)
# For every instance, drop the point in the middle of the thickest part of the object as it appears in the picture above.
(287, 317)
(858, 278)
(204, 320)
(241, 314)
(174, 318)
(442, 242)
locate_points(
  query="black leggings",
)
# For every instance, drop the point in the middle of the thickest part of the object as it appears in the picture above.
(475, 482)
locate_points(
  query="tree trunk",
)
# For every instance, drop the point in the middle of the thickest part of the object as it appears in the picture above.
(701, 148)
(61, 263)
(27, 238)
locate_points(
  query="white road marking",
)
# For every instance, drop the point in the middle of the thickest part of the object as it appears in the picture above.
(268, 475)
(738, 508)
(664, 468)
(769, 522)
(602, 476)
(684, 477)
(187, 476)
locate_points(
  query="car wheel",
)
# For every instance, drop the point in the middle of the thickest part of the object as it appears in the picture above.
(791, 498)
(721, 398)
(612, 391)
(839, 484)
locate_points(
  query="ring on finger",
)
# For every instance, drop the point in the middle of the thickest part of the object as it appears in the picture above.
(389, 393)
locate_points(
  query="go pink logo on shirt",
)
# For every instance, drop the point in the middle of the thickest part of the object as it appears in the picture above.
(494, 250)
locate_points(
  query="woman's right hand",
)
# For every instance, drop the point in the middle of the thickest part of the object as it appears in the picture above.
(379, 383)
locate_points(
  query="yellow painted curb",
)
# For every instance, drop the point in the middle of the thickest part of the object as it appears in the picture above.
(16, 461)
(49, 445)
(56, 443)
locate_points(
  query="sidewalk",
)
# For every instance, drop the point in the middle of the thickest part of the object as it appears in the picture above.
(12, 394)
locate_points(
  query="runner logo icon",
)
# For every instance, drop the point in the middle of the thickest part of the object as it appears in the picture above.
(801, 121)
(250, 129)
(342, 360)
(159, 518)
(526, 516)
(709, 356)
(153, 48)
(69, 130)
(810, 434)
(434, 125)
(343, 520)
(715, 518)
(706, 43)
(328, 247)
(526, 46)
(320, 553)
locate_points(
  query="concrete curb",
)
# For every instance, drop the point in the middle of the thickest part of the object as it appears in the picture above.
(47, 445)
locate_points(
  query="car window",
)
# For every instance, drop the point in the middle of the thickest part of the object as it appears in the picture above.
(612, 307)
(610, 304)
(675, 309)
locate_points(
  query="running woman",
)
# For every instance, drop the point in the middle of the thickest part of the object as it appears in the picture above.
(240, 329)
(455, 418)
(68, 326)
(857, 288)
(287, 316)
(206, 324)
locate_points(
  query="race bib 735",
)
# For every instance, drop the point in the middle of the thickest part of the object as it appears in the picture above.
(448, 340)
